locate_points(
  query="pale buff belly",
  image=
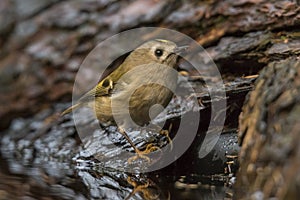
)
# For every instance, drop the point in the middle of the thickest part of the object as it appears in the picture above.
(132, 109)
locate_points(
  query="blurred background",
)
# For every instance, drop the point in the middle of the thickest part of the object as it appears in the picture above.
(43, 43)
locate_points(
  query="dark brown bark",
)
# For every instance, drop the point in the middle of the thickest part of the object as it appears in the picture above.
(241, 36)
(68, 30)
(270, 133)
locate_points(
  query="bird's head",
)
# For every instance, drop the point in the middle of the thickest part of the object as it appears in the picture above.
(159, 50)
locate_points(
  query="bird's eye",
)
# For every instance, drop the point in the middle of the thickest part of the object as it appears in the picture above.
(158, 52)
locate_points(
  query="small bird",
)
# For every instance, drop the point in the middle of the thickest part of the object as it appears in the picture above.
(142, 79)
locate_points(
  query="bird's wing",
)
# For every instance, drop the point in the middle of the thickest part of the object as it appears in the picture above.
(105, 84)
(101, 89)
(113, 66)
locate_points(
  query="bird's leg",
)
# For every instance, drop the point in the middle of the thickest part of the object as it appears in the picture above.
(140, 154)
(166, 134)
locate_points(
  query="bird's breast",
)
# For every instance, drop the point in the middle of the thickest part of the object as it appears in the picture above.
(136, 92)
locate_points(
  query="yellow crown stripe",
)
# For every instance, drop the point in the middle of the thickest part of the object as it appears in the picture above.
(161, 40)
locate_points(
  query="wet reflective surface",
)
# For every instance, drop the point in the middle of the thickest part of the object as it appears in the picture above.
(85, 180)
(43, 157)
(56, 181)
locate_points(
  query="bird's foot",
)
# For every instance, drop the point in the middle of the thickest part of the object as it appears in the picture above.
(143, 154)
(142, 188)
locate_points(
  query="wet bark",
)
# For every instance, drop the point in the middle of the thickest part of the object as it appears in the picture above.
(44, 42)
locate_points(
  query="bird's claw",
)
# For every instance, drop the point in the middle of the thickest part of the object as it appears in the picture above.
(142, 154)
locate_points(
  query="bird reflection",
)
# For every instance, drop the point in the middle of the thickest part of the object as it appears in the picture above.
(121, 185)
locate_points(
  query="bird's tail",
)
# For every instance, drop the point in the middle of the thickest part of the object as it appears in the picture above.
(70, 109)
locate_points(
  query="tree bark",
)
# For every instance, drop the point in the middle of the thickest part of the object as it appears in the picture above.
(44, 42)
(241, 36)
(269, 134)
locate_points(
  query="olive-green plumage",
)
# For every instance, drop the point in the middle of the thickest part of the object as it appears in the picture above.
(145, 78)
(149, 61)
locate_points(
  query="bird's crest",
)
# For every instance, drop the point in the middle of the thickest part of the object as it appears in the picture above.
(162, 40)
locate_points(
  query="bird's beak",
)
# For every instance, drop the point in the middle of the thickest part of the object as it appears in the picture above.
(180, 49)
